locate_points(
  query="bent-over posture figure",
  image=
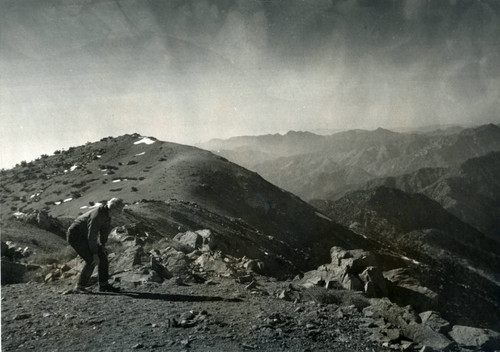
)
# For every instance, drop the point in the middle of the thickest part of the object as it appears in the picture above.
(88, 235)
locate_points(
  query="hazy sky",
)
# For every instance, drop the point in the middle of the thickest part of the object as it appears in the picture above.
(73, 71)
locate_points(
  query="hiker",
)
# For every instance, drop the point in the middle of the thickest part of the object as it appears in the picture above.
(88, 235)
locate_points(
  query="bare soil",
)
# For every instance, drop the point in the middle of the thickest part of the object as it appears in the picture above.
(220, 315)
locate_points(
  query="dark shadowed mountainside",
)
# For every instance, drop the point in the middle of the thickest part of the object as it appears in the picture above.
(470, 191)
(413, 225)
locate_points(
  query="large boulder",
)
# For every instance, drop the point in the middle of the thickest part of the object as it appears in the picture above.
(483, 339)
(188, 241)
(210, 263)
(405, 289)
(351, 269)
(424, 335)
(356, 260)
(172, 262)
(433, 320)
(331, 276)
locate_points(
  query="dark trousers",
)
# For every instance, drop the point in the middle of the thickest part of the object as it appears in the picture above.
(81, 246)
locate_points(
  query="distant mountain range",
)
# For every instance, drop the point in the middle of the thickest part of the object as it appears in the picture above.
(314, 166)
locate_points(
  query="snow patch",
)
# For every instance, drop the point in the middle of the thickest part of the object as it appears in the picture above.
(67, 200)
(117, 180)
(96, 205)
(410, 260)
(18, 214)
(57, 203)
(140, 154)
(323, 216)
(73, 168)
(84, 207)
(145, 140)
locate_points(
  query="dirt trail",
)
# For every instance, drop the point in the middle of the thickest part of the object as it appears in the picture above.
(219, 316)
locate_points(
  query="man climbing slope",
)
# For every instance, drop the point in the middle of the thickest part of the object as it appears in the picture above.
(88, 235)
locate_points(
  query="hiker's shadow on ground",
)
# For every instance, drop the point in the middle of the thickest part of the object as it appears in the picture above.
(170, 297)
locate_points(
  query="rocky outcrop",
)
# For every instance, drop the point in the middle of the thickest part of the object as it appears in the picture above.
(42, 220)
(408, 324)
(356, 270)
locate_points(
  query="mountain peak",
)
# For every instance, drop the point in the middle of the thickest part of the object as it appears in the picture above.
(384, 131)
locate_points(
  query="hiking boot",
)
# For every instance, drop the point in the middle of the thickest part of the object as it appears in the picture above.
(80, 289)
(108, 288)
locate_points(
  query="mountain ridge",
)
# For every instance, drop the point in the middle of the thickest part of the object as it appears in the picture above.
(377, 153)
(138, 168)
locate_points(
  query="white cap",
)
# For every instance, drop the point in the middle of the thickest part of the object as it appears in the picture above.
(115, 204)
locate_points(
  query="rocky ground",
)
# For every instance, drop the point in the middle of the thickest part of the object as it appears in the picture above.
(183, 294)
(219, 315)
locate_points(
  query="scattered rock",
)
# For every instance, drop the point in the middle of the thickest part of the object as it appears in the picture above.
(22, 316)
(256, 266)
(289, 295)
(408, 323)
(248, 346)
(251, 285)
(245, 279)
(408, 345)
(65, 268)
(189, 319)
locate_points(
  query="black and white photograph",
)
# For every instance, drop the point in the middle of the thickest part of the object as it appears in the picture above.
(250, 175)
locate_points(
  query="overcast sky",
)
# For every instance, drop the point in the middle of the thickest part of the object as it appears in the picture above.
(73, 71)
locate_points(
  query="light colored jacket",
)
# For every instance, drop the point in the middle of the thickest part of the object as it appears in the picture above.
(94, 227)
